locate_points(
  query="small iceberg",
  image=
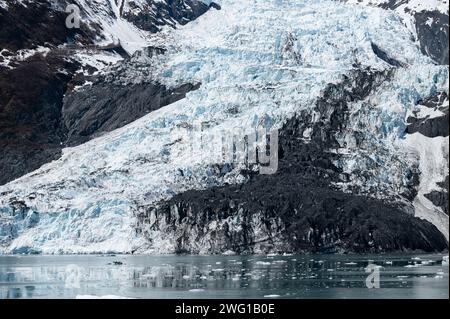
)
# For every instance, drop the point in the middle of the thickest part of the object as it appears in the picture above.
(196, 290)
(445, 261)
(263, 263)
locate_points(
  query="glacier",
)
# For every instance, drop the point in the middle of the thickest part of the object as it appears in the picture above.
(259, 63)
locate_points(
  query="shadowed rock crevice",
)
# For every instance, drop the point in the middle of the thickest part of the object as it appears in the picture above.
(385, 56)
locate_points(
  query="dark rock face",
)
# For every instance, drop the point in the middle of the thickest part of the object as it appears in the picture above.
(286, 214)
(440, 198)
(31, 93)
(30, 112)
(105, 107)
(37, 24)
(433, 32)
(296, 209)
(431, 127)
(170, 13)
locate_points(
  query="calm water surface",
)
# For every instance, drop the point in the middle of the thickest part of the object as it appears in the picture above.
(289, 276)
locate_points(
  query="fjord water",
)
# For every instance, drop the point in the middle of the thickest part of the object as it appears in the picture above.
(267, 276)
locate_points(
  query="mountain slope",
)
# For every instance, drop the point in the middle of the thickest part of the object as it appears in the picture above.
(42, 61)
(340, 86)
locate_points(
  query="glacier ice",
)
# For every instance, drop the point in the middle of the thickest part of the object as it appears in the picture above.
(267, 60)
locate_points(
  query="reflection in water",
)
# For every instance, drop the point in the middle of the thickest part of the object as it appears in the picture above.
(329, 276)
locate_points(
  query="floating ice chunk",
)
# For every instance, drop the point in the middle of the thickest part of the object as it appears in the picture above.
(196, 290)
(272, 296)
(263, 263)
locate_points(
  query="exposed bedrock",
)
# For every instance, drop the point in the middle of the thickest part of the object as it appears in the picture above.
(287, 213)
(432, 126)
(30, 112)
(433, 33)
(170, 13)
(105, 107)
(38, 24)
